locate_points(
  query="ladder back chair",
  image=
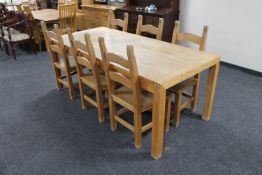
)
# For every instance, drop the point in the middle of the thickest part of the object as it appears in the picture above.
(61, 62)
(38, 35)
(180, 90)
(119, 70)
(85, 58)
(67, 17)
(115, 23)
(148, 28)
(19, 8)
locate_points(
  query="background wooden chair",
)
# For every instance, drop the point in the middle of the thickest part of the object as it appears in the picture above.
(119, 70)
(60, 60)
(36, 28)
(67, 17)
(115, 23)
(148, 28)
(85, 58)
(19, 8)
(180, 90)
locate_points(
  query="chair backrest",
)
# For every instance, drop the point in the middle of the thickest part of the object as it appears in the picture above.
(19, 8)
(31, 3)
(114, 23)
(199, 40)
(67, 17)
(148, 28)
(55, 44)
(27, 9)
(122, 71)
(84, 55)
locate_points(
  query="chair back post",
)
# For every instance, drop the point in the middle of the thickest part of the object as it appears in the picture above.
(160, 29)
(204, 39)
(134, 77)
(139, 24)
(106, 64)
(175, 32)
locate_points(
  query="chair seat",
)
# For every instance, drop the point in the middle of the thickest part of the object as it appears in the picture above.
(124, 97)
(183, 85)
(90, 81)
(17, 37)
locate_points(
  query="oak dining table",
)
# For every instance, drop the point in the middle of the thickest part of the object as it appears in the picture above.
(161, 65)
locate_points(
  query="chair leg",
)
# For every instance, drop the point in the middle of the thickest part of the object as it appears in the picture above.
(6, 48)
(13, 51)
(112, 111)
(70, 84)
(195, 93)
(57, 71)
(168, 111)
(82, 94)
(138, 128)
(1, 48)
(33, 46)
(100, 106)
(178, 101)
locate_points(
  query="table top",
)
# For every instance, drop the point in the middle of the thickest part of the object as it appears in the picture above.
(48, 15)
(161, 62)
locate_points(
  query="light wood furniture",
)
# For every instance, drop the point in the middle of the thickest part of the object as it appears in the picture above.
(60, 60)
(85, 58)
(67, 17)
(148, 28)
(115, 23)
(52, 16)
(120, 70)
(180, 90)
(96, 15)
(160, 65)
(35, 27)
(19, 8)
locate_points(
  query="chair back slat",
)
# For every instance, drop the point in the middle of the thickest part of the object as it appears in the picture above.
(120, 78)
(199, 40)
(158, 31)
(114, 23)
(115, 58)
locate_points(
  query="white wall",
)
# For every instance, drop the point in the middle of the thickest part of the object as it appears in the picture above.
(235, 28)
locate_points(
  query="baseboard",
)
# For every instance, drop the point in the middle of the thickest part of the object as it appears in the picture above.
(250, 71)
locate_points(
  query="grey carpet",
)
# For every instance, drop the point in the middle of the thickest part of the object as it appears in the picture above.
(43, 132)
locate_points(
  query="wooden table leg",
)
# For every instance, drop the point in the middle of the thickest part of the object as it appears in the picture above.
(210, 92)
(159, 103)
